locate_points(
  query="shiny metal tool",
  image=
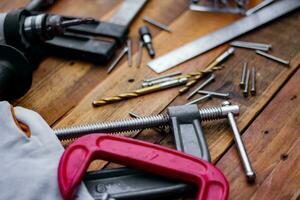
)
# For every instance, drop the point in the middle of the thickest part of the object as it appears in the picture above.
(244, 74)
(164, 76)
(215, 94)
(223, 35)
(250, 174)
(279, 60)
(157, 24)
(146, 37)
(201, 99)
(139, 92)
(129, 52)
(139, 54)
(145, 122)
(258, 7)
(208, 69)
(246, 88)
(253, 81)
(157, 129)
(161, 79)
(210, 79)
(251, 45)
(117, 60)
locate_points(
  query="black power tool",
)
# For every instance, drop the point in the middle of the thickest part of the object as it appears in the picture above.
(21, 36)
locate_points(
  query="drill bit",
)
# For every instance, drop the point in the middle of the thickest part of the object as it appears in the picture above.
(210, 68)
(77, 21)
(139, 92)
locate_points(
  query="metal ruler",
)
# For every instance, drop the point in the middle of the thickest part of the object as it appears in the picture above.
(212, 40)
(127, 12)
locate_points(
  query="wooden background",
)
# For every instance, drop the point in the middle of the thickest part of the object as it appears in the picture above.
(63, 90)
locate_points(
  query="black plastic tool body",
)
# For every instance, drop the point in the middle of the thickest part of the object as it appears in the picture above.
(125, 183)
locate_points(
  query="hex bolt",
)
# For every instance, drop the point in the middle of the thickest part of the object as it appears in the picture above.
(250, 174)
(123, 126)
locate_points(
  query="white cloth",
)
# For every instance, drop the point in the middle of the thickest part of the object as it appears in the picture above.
(28, 165)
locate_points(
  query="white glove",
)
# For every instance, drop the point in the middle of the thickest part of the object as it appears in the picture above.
(28, 165)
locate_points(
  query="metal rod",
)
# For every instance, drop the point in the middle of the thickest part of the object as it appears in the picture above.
(215, 94)
(203, 98)
(255, 44)
(285, 62)
(129, 52)
(243, 78)
(157, 24)
(164, 76)
(210, 79)
(246, 88)
(258, 7)
(253, 82)
(117, 60)
(140, 54)
(250, 47)
(134, 115)
(250, 174)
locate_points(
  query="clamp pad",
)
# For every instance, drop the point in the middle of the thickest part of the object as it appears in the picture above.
(141, 155)
(188, 132)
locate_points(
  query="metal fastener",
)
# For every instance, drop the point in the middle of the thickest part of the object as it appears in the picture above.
(244, 74)
(123, 126)
(285, 62)
(210, 79)
(215, 94)
(129, 52)
(157, 24)
(250, 174)
(201, 99)
(246, 88)
(253, 81)
(117, 60)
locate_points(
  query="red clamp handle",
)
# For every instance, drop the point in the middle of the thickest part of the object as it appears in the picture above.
(145, 156)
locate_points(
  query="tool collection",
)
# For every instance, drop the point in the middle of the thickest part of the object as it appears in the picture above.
(158, 172)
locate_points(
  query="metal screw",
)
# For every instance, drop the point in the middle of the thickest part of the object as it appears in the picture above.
(245, 91)
(122, 126)
(243, 78)
(250, 174)
(274, 58)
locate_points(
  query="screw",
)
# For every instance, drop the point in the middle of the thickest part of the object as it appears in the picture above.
(243, 78)
(253, 82)
(250, 174)
(122, 126)
(245, 91)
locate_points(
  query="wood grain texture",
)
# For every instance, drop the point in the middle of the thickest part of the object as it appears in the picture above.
(63, 90)
(273, 144)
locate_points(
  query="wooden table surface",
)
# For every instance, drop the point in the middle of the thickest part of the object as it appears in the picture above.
(63, 90)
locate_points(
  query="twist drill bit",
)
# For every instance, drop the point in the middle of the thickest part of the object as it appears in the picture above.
(210, 68)
(140, 92)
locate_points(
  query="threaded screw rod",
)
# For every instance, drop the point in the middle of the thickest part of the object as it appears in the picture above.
(122, 126)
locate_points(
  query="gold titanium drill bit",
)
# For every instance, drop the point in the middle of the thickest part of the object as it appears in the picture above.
(140, 92)
(210, 68)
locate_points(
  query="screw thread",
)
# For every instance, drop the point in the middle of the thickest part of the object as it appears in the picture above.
(120, 126)
(213, 113)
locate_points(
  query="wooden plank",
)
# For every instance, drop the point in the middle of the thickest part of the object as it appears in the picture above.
(273, 145)
(52, 94)
(271, 76)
